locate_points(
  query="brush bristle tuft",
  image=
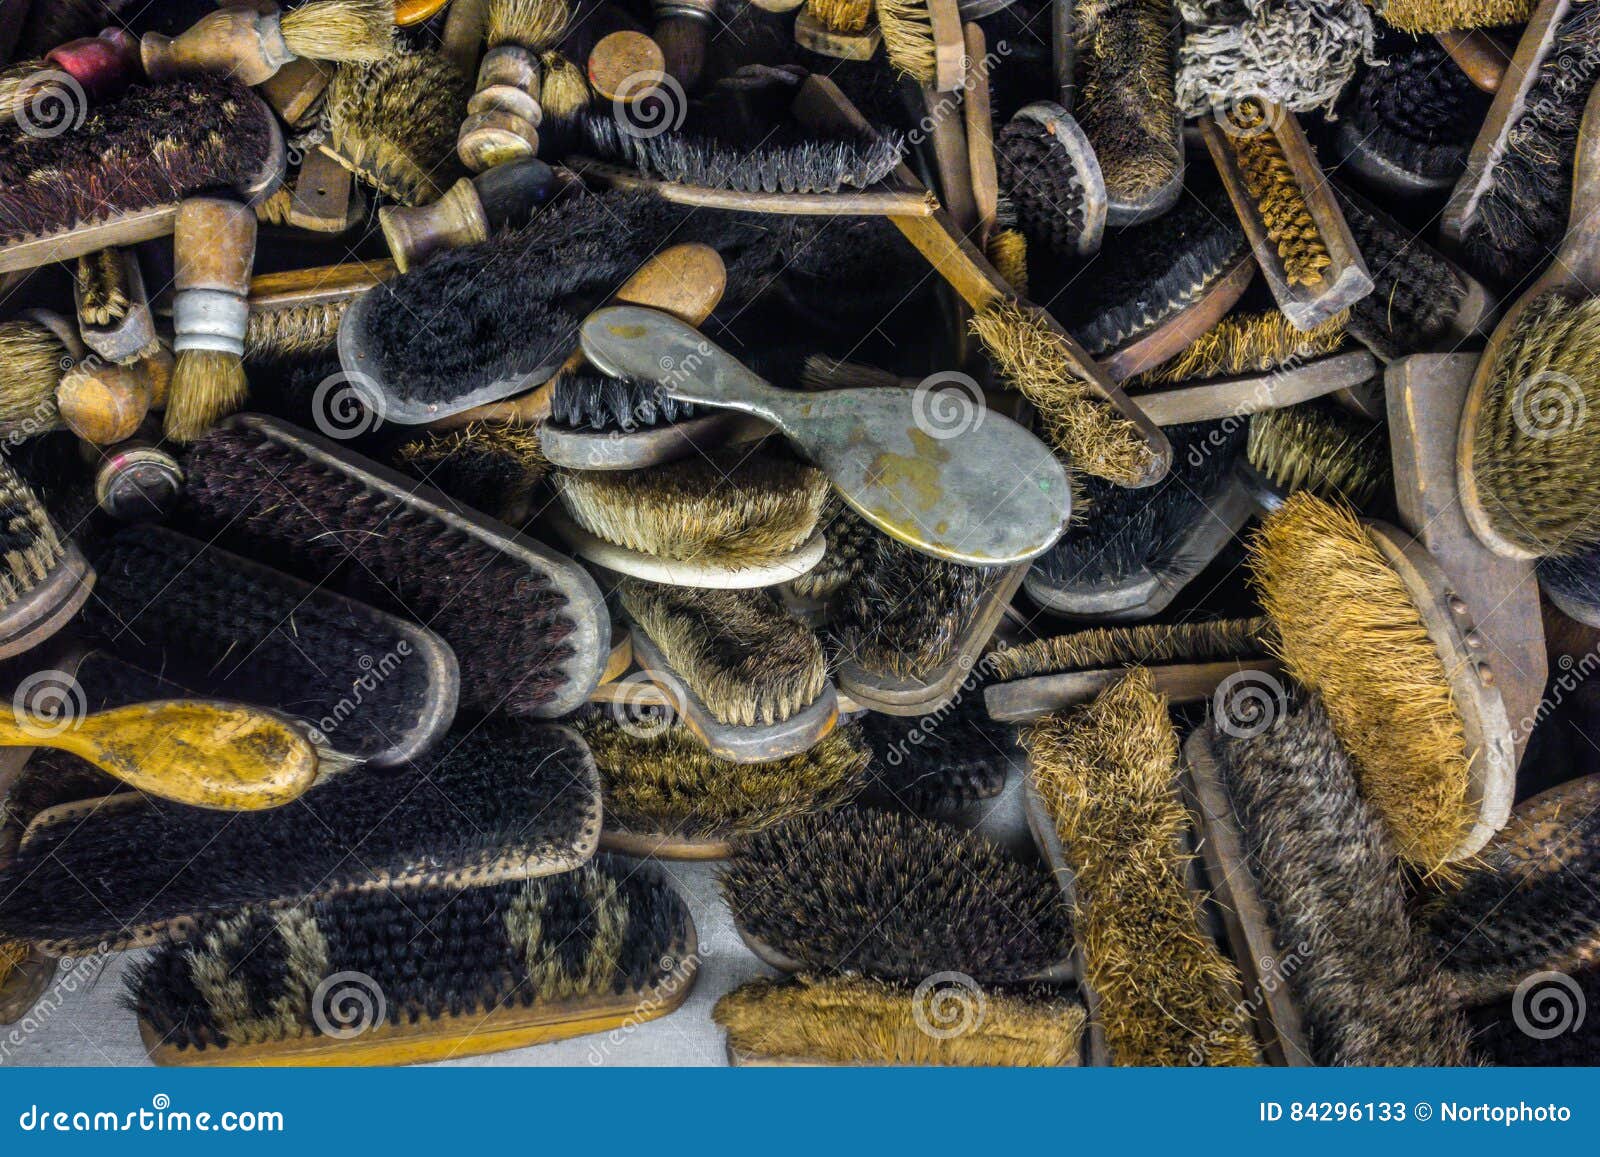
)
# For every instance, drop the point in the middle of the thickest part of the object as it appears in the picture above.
(1042, 183)
(206, 387)
(531, 24)
(1008, 253)
(908, 40)
(1423, 16)
(841, 15)
(394, 123)
(592, 401)
(1126, 101)
(1148, 644)
(340, 30)
(565, 91)
(1278, 198)
(1321, 447)
(1248, 343)
(32, 360)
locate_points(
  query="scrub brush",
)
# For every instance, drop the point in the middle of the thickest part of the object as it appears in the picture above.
(1320, 447)
(393, 123)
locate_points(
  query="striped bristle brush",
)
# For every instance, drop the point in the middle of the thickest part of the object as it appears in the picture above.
(1144, 645)
(1127, 105)
(1419, 16)
(1415, 117)
(393, 123)
(1107, 775)
(1248, 342)
(894, 897)
(499, 801)
(1051, 181)
(460, 971)
(289, 499)
(1277, 196)
(1320, 447)
(1297, 53)
(941, 762)
(1526, 906)
(851, 1020)
(1365, 977)
(44, 579)
(491, 466)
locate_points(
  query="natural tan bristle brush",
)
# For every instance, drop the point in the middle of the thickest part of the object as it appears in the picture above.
(842, 29)
(45, 579)
(214, 248)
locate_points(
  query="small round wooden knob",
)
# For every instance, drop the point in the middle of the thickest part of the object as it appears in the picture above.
(627, 66)
(103, 403)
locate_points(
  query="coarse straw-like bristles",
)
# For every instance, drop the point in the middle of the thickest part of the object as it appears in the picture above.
(275, 208)
(491, 466)
(853, 1020)
(663, 780)
(748, 662)
(1126, 101)
(1089, 434)
(530, 24)
(732, 509)
(1141, 645)
(340, 30)
(1365, 978)
(1421, 16)
(1107, 774)
(1278, 197)
(394, 123)
(850, 549)
(1321, 447)
(895, 897)
(12, 954)
(1347, 628)
(296, 332)
(1248, 343)
(207, 386)
(102, 288)
(565, 91)
(28, 538)
(1537, 439)
(32, 360)
(1008, 253)
(841, 15)
(908, 37)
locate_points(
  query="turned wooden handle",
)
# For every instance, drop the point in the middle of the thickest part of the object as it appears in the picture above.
(1478, 55)
(409, 12)
(686, 281)
(104, 403)
(214, 245)
(626, 66)
(102, 65)
(246, 44)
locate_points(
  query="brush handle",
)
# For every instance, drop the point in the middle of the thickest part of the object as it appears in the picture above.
(246, 44)
(102, 65)
(1479, 56)
(193, 751)
(627, 341)
(682, 28)
(503, 116)
(626, 67)
(102, 402)
(214, 248)
(474, 208)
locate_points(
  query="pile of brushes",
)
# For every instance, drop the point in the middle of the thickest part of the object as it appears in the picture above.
(1027, 512)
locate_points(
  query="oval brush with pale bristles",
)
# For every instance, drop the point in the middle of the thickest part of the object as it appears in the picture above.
(32, 360)
(393, 123)
(1050, 178)
(893, 897)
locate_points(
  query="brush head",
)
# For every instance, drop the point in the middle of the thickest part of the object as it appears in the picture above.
(1421, 16)
(1300, 55)
(1533, 450)
(1416, 293)
(940, 763)
(592, 401)
(210, 619)
(747, 661)
(1148, 644)
(1144, 275)
(394, 122)
(1419, 112)
(1128, 534)
(1092, 436)
(731, 509)
(1248, 343)
(498, 801)
(1126, 101)
(154, 145)
(491, 466)
(782, 162)
(564, 91)
(300, 331)
(509, 624)
(1569, 1038)
(31, 545)
(531, 24)
(1044, 185)
(1348, 629)
(850, 546)
(841, 15)
(610, 932)
(853, 1020)
(207, 386)
(340, 30)
(1008, 253)
(1321, 447)
(32, 360)
(1365, 980)
(1278, 197)
(903, 612)
(1107, 774)
(895, 897)
(661, 780)
(908, 39)
(101, 287)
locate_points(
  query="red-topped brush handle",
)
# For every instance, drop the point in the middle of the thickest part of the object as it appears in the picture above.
(102, 65)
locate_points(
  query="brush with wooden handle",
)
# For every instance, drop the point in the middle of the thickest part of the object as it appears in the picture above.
(214, 247)
(503, 115)
(194, 751)
(502, 197)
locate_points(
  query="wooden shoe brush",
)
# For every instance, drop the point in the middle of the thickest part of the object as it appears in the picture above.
(851, 1020)
(1319, 895)
(445, 972)
(45, 580)
(890, 472)
(923, 40)
(504, 801)
(1301, 241)
(296, 501)
(1524, 441)
(296, 314)
(842, 29)
(1508, 211)
(943, 763)
(893, 897)
(503, 116)
(368, 684)
(669, 798)
(1102, 798)
(750, 682)
(1417, 704)
(159, 144)
(1051, 179)
(393, 123)
(735, 519)
(1127, 106)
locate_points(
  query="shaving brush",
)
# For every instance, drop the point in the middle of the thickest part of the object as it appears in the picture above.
(214, 248)
(252, 45)
(503, 116)
(681, 29)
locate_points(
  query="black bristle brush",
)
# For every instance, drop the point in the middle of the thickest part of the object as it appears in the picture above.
(460, 972)
(1051, 180)
(372, 685)
(526, 624)
(588, 400)
(941, 762)
(499, 801)
(1408, 126)
(893, 897)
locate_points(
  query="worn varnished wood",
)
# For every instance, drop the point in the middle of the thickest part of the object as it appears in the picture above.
(1478, 54)
(1024, 700)
(1181, 330)
(1214, 398)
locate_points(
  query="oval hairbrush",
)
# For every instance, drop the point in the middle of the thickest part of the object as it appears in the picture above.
(1004, 498)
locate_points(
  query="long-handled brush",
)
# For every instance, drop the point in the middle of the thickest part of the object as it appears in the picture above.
(214, 247)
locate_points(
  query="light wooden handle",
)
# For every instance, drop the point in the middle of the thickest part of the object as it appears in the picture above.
(686, 281)
(1478, 55)
(246, 44)
(504, 115)
(214, 245)
(626, 66)
(103, 403)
